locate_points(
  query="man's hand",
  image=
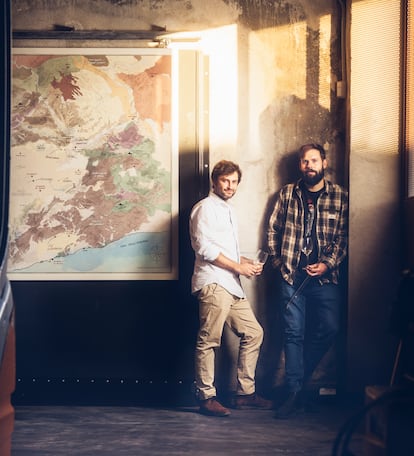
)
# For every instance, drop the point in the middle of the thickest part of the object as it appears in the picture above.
(246, 267)
(316, 269)
(249, 268)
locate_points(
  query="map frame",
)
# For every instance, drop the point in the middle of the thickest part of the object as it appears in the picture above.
(166, 273)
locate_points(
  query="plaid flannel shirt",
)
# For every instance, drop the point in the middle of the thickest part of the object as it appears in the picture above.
(286, 230)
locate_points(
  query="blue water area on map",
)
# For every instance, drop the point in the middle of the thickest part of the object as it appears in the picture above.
(139, 252)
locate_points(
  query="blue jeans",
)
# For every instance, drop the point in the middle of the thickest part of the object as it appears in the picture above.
(314, 312)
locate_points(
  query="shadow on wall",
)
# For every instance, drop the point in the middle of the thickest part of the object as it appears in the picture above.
(294, 122)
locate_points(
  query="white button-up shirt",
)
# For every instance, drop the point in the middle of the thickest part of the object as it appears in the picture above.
(213, 230)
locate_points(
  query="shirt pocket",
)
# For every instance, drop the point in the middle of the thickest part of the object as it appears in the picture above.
(330, 221)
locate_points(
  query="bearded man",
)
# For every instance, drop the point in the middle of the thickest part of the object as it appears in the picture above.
(307, 238)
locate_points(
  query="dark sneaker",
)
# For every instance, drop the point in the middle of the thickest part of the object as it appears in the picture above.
(252, 401)
(310, 403)
(291, 407)
(212, 407)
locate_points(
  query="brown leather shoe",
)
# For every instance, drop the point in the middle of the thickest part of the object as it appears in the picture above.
(252, 401)
(212, 407)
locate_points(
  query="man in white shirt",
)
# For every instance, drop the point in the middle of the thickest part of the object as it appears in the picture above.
(222, 300)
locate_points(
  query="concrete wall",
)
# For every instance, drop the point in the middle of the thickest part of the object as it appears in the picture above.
(273, 73)
(272, 77)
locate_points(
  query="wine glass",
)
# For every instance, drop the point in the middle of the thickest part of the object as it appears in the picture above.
(307, 248)
(261, 257)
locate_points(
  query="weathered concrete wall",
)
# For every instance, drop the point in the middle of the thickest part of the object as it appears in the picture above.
(273, 69)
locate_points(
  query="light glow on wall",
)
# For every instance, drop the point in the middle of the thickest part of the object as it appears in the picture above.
(220, 45)
(324, 95)
(290, 59)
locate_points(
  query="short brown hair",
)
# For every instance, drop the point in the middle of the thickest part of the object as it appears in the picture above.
(310, 146)
(224, 168)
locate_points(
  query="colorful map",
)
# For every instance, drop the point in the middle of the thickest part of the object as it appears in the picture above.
(93, 181)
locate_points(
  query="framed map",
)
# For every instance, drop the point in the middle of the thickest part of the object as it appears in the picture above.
(94, 165)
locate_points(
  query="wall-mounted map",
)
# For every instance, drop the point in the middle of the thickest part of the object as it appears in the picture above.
(93, 165)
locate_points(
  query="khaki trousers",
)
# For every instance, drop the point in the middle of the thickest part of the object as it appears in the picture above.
(218, 307)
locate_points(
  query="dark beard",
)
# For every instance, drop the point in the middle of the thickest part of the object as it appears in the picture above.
(313, 180)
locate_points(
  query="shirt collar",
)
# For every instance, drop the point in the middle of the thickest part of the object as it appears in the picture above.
(218, 199)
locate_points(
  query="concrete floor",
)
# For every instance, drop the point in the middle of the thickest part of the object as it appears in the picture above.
(63, 430)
